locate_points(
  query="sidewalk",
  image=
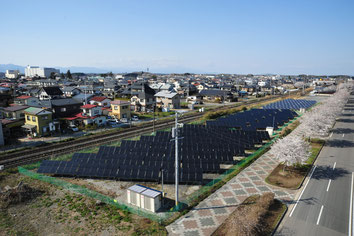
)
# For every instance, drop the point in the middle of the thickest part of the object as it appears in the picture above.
(205, 218)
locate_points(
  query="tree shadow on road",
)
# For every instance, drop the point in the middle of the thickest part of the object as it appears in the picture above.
(285, 231)
(307, 201)
(343, 130)
(339, 143)
(349, 115)
(327, 172)
(345, 120)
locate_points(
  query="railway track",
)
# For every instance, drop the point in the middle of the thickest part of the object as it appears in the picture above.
(39, 153)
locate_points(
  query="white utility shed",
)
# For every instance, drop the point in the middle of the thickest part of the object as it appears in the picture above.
(144, 197)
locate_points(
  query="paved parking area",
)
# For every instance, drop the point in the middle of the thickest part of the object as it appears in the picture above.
(205, 218)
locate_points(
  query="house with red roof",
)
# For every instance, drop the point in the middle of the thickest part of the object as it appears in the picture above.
(91, 114)
(101, 101)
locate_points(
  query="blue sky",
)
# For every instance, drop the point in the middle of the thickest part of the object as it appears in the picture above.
(250, 36)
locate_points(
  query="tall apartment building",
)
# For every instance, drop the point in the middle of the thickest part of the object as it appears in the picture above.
(32, 71)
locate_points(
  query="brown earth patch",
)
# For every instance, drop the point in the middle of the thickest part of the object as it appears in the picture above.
(257, 215)
(289, 177)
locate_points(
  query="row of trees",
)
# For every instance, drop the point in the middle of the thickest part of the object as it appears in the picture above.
(315, 123)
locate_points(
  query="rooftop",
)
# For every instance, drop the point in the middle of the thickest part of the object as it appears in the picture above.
(88, 106)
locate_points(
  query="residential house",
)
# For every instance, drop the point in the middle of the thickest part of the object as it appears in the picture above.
(13, 118)
(48, 93)
(142, 97)
(65, 107)
(38, 122)
(100, 101)
(196, 99)
(120, 109)
(91, 114)
(27, 100)
(167, 100)
(249, 89)
(217, 95)
(201, 87)
(15, 112)
(83, 98)
(70, 91)
(110, 89)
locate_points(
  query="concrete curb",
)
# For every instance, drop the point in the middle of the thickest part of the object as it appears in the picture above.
(280, 220)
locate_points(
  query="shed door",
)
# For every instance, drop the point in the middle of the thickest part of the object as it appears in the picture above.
(147, 203)
(133, 196)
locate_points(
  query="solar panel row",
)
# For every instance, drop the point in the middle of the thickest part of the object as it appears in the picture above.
(292, 104)
(202, 150)
(255, 119)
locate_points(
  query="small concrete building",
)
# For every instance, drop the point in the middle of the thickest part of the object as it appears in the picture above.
(144, 197)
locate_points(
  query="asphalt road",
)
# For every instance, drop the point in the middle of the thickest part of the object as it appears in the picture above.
(325, 204)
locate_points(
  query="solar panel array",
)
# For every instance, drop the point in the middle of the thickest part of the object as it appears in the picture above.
(255, 119)
(202, 150)
(292, 104)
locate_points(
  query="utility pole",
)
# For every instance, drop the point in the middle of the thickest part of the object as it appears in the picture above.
(175, 136)
(153, 121)
(163, 194)
(303, 89)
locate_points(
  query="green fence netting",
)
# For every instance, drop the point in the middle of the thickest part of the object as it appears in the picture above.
(90, 193)
(192, 200)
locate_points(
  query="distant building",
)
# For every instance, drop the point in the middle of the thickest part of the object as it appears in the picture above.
(12, 74)
(33, 71)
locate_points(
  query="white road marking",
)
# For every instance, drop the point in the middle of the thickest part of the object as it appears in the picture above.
(297, 201)
(351, 208)
(329, 183)
(331, 135)
(319, 216)
(343, 135)
(334, 165)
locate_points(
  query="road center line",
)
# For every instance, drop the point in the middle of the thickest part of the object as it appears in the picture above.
(297, 201)
(334, 165)
(329, 183)
(319, 216)
(351, 207)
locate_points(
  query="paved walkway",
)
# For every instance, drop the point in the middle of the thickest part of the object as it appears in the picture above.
(205, 218)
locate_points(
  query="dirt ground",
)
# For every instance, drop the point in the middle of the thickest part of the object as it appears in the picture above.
(59, 212)
(267, 222)
(291, 178)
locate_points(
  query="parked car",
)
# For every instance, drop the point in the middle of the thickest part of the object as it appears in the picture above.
(124, 120)
(135, 118)
(73, 128)
(113, 123)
